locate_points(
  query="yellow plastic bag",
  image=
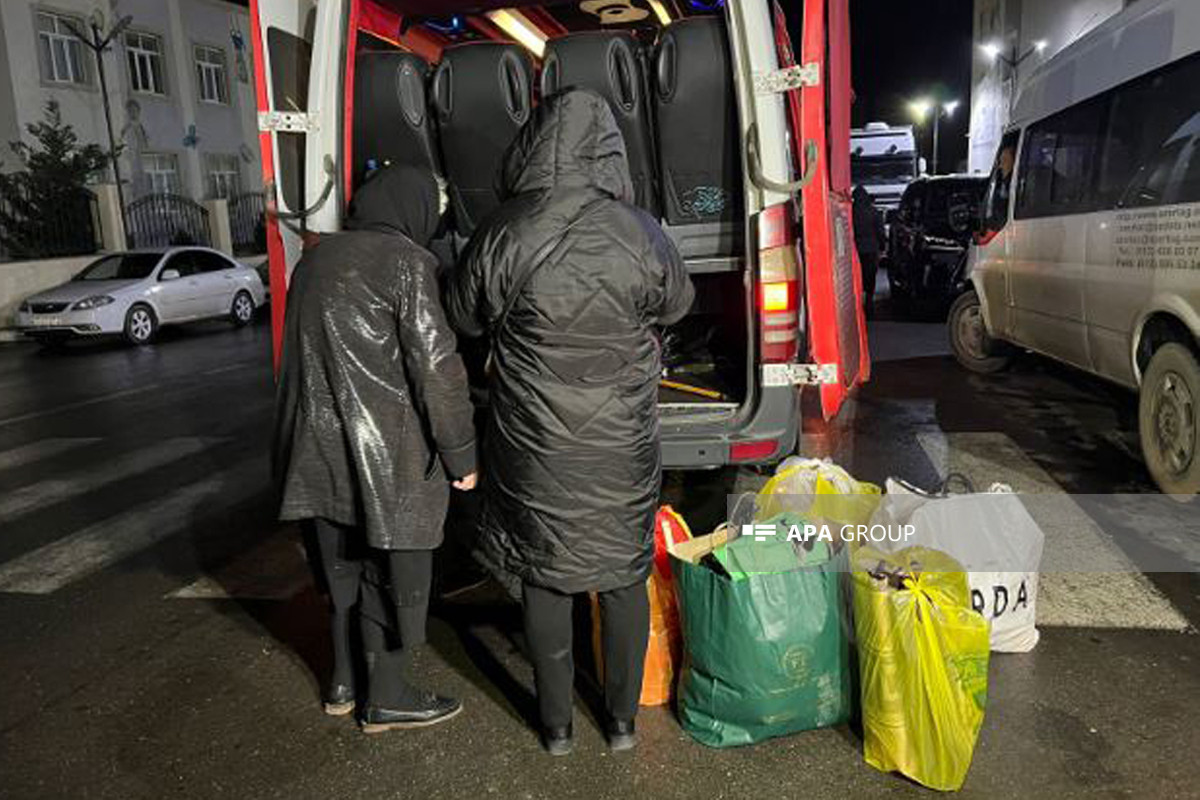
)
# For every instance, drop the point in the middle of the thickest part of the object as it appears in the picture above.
(818, 491)
(923, 660)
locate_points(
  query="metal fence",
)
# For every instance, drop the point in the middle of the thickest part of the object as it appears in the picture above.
(164, 220)
(42, 220)
(248, 222)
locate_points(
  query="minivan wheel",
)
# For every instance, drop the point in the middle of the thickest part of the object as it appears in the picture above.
(140, 325)
(1167, 420)
(969, 339)
(241, 311)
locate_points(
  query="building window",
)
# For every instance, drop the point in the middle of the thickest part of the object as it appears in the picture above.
(224, 176)
(61, 54)
(145, 54)
(162, 172)
(210, 70)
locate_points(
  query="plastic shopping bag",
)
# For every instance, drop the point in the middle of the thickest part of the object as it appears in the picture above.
(819, 490)
(923, 660)
(995, 539)
(764, 656)
(664, 649)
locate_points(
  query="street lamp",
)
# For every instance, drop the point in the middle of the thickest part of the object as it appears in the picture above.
(921, 108)
(995, 52)
(98, 43)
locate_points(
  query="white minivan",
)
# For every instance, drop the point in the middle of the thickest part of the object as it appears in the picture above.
(737, 147)
(1089, 243)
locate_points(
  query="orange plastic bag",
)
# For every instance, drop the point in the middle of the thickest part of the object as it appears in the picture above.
(665, 648)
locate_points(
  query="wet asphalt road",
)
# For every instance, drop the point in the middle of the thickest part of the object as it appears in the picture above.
(158, 635)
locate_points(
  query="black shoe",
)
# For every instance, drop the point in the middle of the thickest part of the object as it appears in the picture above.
(339, 700)
(621, 735)
(429, 709)
(558, 741)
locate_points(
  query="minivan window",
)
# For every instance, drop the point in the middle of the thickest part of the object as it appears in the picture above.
(1058, 162)
(1150, 138)
(124, 266)
(999, 187)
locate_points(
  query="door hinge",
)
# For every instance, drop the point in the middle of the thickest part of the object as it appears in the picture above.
(287, 122)
(799, 374)
(784, 80)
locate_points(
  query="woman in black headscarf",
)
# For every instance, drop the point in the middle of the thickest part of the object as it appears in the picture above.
(373, 422)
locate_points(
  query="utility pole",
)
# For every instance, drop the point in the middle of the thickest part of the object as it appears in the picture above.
(920, 110)
(99, 42)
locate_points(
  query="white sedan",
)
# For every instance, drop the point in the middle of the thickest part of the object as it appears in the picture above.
(134, 293)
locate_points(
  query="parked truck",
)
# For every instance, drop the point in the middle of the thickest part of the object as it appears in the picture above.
(884, 160)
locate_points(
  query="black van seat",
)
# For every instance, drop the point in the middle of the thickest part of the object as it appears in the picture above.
(610, 63)
(696, 115)
(393, 125)
(482, 93)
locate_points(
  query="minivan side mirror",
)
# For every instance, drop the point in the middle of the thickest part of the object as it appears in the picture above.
(169, 274)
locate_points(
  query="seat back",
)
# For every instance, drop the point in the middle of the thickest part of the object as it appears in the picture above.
(389, 92)
(482, 95)
(698, 138)
(610, 63)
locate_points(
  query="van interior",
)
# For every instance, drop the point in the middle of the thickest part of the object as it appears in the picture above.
(671, 88)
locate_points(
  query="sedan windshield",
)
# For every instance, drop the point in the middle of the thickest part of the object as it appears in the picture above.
(124, 266)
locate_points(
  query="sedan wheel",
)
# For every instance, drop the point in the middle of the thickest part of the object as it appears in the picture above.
(140, 325)
(242, 310)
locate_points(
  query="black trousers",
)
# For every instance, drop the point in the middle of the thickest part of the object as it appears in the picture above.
(870, 270)
(388, 591)
(624, 633)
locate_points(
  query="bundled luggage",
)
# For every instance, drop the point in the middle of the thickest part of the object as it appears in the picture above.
(923, 661)
(993, 537)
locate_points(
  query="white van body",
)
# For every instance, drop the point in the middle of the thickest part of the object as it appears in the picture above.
(884, 160)
(1092, 254)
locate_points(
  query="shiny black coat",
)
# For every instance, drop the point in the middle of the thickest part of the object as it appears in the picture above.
(571, 469)
(372, 405)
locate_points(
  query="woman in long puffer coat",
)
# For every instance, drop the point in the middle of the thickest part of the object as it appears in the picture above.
(571, 280)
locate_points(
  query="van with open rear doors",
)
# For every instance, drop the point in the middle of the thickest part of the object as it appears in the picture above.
(736, 145)
(1089, 248)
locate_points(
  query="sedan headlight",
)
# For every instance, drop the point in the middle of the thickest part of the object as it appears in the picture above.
(94, 301)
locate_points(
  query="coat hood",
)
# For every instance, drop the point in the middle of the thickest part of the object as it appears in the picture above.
(572, 139)
(398, 199)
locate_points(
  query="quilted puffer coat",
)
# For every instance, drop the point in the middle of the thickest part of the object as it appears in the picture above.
(571, 466)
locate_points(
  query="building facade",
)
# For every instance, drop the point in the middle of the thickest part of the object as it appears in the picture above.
(180, 85)
(1011, 37)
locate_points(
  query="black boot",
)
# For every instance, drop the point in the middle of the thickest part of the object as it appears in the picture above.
(423, 710)
(621, 735)
(339, 693)
(558, 741)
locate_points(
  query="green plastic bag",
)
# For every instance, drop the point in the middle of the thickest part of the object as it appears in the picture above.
(746, 555)
(764, 656)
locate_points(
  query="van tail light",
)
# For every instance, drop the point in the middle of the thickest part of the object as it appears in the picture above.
(757, 450)
(778, 285)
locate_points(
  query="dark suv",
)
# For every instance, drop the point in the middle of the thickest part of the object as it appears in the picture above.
(928, 239)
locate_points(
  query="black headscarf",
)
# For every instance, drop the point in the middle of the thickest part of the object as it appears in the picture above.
(398, 199)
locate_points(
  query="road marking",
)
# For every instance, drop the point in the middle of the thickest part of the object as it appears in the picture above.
(1113, 593)
(95, 547)
(104, 398)
(48, 492)
(275, 569)
(43, 448)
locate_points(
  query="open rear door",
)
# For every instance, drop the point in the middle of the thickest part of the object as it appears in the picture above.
(297, 72)
(820, 110)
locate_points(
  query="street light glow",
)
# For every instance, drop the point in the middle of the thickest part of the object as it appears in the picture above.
(991, 50)
(949, 107)
(920, 109)
(1040, 45)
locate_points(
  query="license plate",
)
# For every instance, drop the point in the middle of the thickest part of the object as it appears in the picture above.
(47, 322)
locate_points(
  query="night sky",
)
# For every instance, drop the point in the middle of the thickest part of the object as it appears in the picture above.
(911, 48)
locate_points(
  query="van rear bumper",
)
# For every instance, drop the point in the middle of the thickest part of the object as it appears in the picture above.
(697, 445)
